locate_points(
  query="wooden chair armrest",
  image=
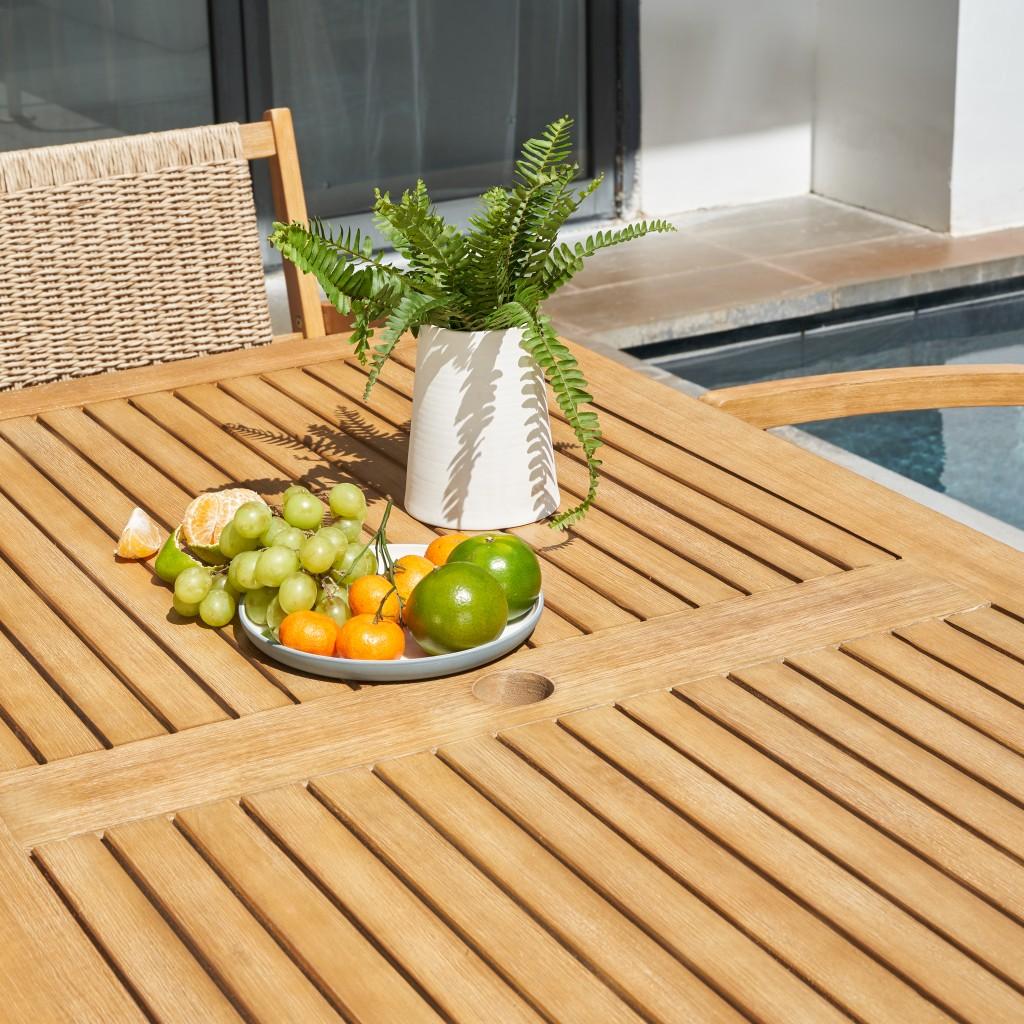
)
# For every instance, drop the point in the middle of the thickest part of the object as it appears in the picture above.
(776, 403)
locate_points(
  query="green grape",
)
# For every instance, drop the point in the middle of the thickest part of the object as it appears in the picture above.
(355, 561)
(221, 582)
(232, 543)
(304, 511)
(290, 537)
(275, 613)
(242, 571)
(351, 528)
(193, 584)
(298, 593)
(337, 539)
(347, 502)
(217, 608)
(336, 607)
(257, 602)
(270, 533)
(274, 565)
(294, 489)
(252, 519)
(317, 554)
(186, 609)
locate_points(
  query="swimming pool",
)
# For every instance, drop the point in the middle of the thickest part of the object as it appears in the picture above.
(973, 455)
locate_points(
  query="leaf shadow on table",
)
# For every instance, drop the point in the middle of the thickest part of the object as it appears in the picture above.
(355, 450)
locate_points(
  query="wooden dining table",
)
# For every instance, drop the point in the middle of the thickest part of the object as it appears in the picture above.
(760, 760)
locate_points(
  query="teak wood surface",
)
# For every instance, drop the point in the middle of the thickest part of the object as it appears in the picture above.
(779, 776)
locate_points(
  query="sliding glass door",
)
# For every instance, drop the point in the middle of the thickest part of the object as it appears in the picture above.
(382, 91)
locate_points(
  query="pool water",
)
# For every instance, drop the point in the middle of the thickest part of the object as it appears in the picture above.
(973, 455)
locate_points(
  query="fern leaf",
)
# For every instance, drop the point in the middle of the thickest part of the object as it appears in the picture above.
(341, 266)
(407, 315)
(571, 392)
(565, 261)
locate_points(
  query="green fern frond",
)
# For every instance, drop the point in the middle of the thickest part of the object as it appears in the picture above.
(571, 393)
(565, 261)
(342, 266)
(433, 248)
(410, 312)
(551, 148)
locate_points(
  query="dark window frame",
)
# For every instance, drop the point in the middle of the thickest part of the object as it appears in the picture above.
(242, 87)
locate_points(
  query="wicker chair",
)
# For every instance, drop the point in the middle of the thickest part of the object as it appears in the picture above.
(142, 249)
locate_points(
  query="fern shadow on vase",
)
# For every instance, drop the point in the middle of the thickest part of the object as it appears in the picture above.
(477, 397)
(354, 449)
(543, 481)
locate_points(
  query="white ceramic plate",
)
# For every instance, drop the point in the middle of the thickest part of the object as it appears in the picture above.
(414, 664)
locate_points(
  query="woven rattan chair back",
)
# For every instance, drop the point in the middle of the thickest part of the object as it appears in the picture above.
(142, 249)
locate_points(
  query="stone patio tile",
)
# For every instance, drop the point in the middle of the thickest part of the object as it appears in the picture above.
(652, 256)
(901, 255)
(829, 229)
(678, 305)
(772, 211)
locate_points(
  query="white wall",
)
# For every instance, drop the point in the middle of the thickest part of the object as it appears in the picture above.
(988, 148)
(727, 101)
(884, 118)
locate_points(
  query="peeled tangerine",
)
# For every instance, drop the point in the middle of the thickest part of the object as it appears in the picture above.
(207, 515)
(140, 537)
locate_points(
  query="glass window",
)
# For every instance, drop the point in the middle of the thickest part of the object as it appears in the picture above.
(73, 70)
(387, 91)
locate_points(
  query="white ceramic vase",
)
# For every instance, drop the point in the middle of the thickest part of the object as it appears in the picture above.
(480, 455)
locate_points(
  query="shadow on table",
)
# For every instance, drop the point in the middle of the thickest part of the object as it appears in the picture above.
(373, 459)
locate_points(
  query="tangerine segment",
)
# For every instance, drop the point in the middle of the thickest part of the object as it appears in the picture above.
(409, 570)
(438, 550)
(365, 639)
(374, 595)
(140, 537)
(311, 632)
(208, 514)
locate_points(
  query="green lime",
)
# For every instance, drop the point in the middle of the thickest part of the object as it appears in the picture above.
(172, 558)
(457, 606)
(510, 561)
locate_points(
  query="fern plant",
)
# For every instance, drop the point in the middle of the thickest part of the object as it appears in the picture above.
(493, 276)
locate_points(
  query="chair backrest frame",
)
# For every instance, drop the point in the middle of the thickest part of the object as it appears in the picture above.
(273, 139)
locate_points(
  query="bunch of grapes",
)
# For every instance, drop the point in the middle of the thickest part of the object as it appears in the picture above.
(285, 563)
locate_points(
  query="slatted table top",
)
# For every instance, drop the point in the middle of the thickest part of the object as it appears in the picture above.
(779, 777)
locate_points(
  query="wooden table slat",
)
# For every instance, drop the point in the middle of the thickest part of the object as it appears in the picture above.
(543, 971)
(640, 970)
(915, 823)
(838, 714)
(672, 458)
(996, 628)
(456, 977)
(264, 981)
(988, 712)
(864, 850)
(819, 959)
(132, 587)
(29, 700)
(905, 946)
(328, 946)
(92, 689)
(133, 934)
